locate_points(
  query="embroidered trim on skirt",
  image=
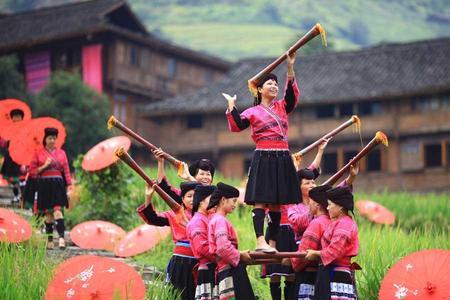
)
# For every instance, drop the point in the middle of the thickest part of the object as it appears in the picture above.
(207, 288)
(285, 243)
(179, 274)
(332, 284)
(234, 284)
(272, 179)
(304, 285)
(51, 193)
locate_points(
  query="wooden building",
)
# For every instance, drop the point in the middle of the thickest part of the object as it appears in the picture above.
(107, 43)
(400, 89)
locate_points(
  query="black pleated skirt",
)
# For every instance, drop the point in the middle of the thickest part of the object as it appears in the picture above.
(234, 284)
(334, 284)
(179, 274)
(272, 179)
(206, 288)
(9, 167)
(29, 192)
(303, 286)
(51, 194)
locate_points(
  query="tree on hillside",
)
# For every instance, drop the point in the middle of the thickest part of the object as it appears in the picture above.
(11, 81)
(312, 47)
(83, 111)
(358, 32)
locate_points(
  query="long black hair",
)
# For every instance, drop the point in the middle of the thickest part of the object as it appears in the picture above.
(266, 77)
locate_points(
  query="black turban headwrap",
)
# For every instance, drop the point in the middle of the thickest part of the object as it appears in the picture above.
(49, 131)
(307, 174)
(188, 186)
(223, 190)
(200, 194)
(16, 112)
(319, 194)
(203, 164)
(341, 196)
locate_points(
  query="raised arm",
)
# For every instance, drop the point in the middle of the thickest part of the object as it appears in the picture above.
(236, 123)
(320, 150)
(291, 91)
(148, 213)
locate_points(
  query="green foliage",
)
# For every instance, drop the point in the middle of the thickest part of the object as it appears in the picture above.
(25, 270)
(415, 212)
(82, 110)
(11, 81)
(349, 24)
(112, 194)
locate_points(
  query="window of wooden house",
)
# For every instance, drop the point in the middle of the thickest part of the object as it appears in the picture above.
(171, 68)
(325, 111)
(345, 109)
(194, 121)
(433, 155)
(208, 76)
(120, 107)
(369, 108)
(374, 160)
(329, 163)
(447, 146)
(348, 155)
(68, 58)
(134, 56)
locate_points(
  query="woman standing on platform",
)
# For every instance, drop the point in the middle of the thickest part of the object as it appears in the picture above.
(272, 177)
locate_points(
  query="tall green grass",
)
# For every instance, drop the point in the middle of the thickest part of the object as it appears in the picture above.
(25, 270)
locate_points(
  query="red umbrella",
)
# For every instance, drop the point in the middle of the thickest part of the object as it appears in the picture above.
(102, 155)
(375, 212)
(11, 129)
(98, 235)
(95, 277)
(7, 105)
(421, 275)
(30, 138)
(13, 228)
(141, 239)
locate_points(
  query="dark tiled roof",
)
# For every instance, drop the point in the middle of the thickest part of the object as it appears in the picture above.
(44, 25)
(384, 71)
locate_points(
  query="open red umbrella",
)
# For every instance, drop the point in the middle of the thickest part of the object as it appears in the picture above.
(7, 105)
(13, 228)
(375, 212)
(421, 275)
(30, 138)
(95, 277)
(102, 155)
(98, 235)
(10, 129)
(141, 239)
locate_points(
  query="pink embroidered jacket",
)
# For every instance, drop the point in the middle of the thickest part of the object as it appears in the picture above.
(59, 166)
(223, 242)
(197, 232)
(168, 218)
(311, 240)
(269, 125)
(340, 242)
